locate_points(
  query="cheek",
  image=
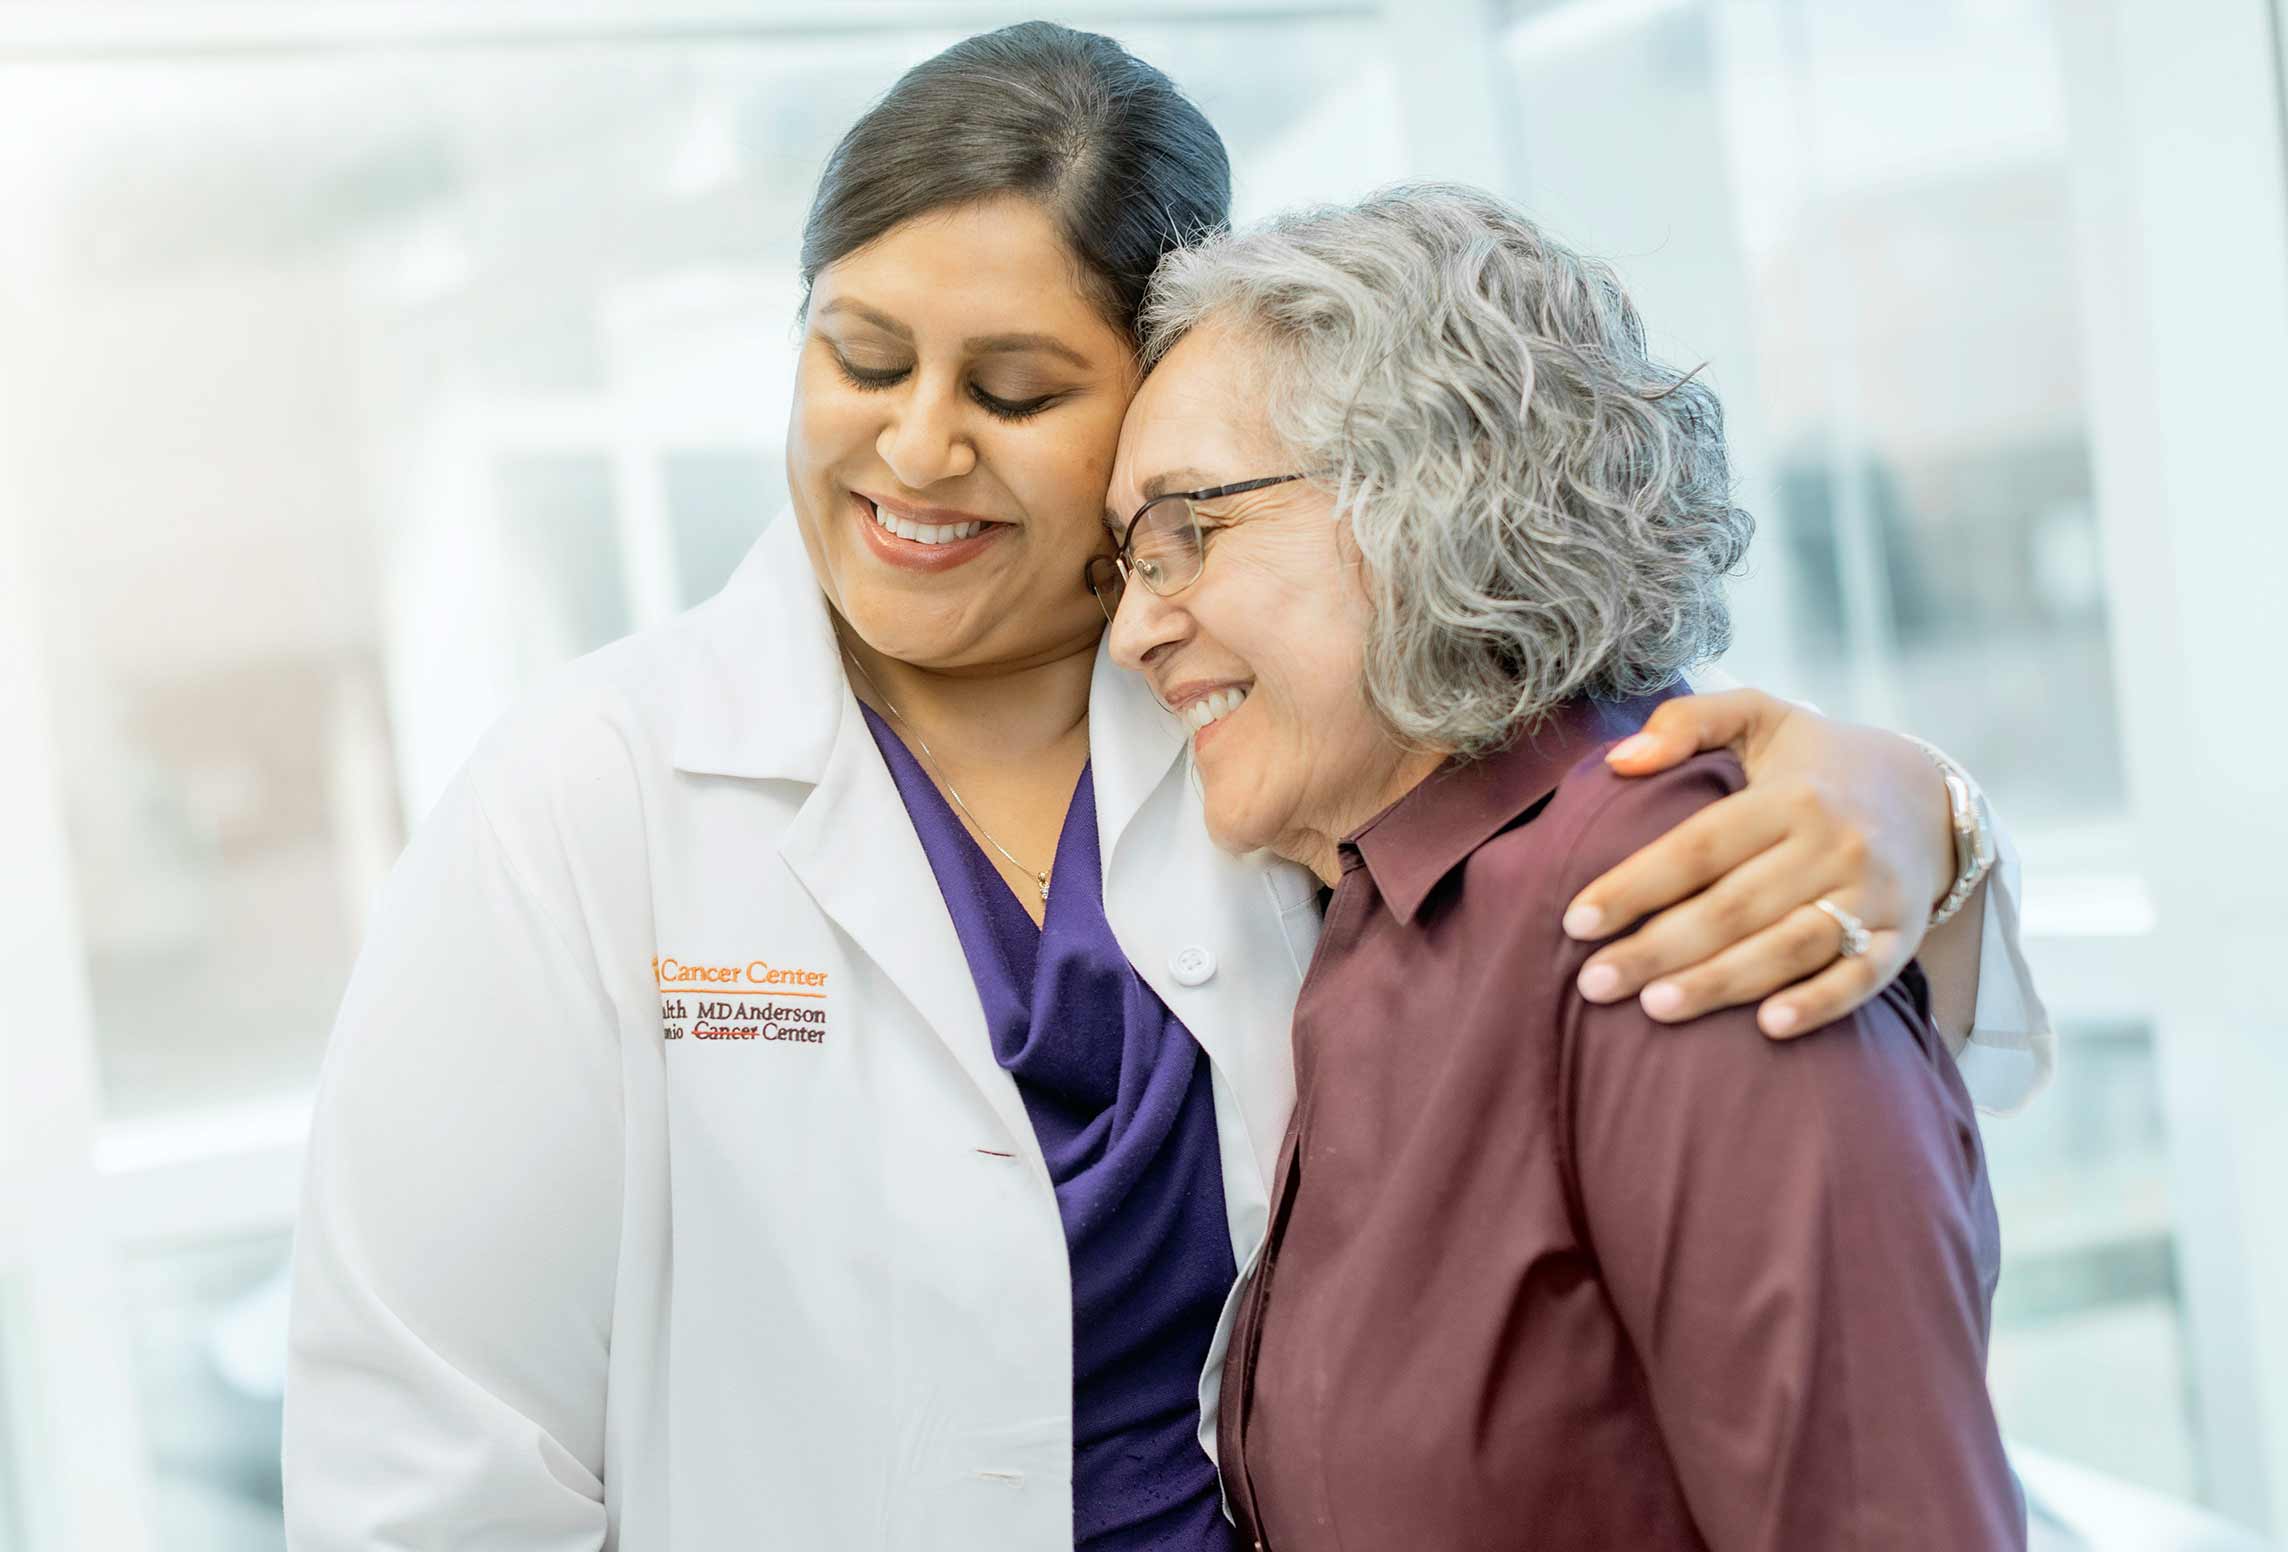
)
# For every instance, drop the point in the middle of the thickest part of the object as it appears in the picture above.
(1058, 474)
(822, 425)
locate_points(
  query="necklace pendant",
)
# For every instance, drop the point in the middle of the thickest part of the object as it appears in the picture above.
(1043, 880)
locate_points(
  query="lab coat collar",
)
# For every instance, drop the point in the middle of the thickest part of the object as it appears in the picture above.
(1132, 742)
(768, 629)
(766, 633)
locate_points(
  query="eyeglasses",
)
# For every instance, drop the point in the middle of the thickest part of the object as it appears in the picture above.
(1165, 543)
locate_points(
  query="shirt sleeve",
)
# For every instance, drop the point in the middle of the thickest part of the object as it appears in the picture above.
(1799, 1240)
(455, 1255)
(2013, 1049)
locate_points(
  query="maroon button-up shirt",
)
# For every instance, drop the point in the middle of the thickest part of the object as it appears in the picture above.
(1548, 1275)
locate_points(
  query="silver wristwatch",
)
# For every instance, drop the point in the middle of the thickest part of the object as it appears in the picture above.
(1973, 832)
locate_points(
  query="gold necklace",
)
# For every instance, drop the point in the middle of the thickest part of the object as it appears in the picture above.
(1038, 876)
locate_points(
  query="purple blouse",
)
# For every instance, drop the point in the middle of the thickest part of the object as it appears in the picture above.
(1119, 1097)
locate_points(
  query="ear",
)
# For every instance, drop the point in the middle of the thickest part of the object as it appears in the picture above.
(1353, 559)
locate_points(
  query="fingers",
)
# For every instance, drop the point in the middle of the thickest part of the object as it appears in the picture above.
(1799, 958)
(1837, 990)
(1680, 728)
(1801, 944)
(1671, 958)
(1680, 864)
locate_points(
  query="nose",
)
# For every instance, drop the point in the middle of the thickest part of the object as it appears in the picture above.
(925, 439)
(1146, 627)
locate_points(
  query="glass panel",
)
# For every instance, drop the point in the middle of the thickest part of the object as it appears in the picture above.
(1886, 297)
(561, 532)
(2089, 1356)
(366, 386)
(226, 816)
(209, 1332)
(718, 499)
(13, 1535)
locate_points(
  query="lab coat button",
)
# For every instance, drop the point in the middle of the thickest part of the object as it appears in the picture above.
(1192, 966)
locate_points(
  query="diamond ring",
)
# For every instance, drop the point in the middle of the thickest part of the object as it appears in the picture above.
(1855, 934)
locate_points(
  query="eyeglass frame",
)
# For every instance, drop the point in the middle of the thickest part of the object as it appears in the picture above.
(1126, 567)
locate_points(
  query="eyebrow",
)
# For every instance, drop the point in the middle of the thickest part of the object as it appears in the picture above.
(879, 320)
(1176, 479)
(976, 344)
(1157, 486)
(1047, 344)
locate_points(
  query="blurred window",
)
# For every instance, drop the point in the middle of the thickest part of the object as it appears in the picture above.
(12, 1535)
(2090, 1361)
(717, 501)
(204, 1322)
(1858, 214)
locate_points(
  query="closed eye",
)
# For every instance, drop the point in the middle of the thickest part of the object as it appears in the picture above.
(869, 378)
(1011, 409)
(875, 379)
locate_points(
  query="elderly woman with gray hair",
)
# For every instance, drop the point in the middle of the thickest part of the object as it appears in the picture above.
(1539, 1274)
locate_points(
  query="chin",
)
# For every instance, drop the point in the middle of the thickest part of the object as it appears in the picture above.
(1218, 823)
(1232, 830)
(1237, 845)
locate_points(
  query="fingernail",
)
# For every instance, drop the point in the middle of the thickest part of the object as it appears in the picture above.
(1779, 1020)
(1600, 983)
(1663, 999)
(1632, 747)
(1583, 921)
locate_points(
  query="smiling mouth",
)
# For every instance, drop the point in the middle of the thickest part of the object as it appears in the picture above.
(1211, 709)
(921, 533)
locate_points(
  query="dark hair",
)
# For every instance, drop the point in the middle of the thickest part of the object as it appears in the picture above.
(1123, 162)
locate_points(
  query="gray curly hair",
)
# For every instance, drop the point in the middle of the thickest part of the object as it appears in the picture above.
(1544, 510)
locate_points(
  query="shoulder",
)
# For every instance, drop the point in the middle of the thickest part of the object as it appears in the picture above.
(1596, 819)
(560, 784)
(585, 726)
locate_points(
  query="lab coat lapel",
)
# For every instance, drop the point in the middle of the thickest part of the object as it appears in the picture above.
(1134, 745)
(854, 848)
(764, 698)
(1168, 888)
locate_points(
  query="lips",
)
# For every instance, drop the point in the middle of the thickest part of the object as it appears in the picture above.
(1213, 707)
(1204, 705)
(923, 539)
(923, 533)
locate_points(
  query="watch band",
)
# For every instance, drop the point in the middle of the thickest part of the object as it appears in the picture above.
(1973, 832)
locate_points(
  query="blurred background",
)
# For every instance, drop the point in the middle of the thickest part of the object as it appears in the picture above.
(359, 362)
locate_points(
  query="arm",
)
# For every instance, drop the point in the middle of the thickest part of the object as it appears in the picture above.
(455, 1255)
(1799, 1241)
(1853, 814)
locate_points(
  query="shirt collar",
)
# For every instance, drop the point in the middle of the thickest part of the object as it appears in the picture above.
(1413, 844)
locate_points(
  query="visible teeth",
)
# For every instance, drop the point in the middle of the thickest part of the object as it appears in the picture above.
(925, 533)
(1213, 708)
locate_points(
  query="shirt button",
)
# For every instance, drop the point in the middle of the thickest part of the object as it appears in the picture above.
(1192, 966)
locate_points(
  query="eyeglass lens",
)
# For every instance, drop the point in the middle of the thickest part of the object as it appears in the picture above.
(1164, 548)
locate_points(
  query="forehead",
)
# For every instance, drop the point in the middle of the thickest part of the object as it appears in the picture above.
(993, 266)
(1195, 412)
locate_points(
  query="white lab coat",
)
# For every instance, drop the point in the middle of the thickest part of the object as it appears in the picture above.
(564, 1282)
